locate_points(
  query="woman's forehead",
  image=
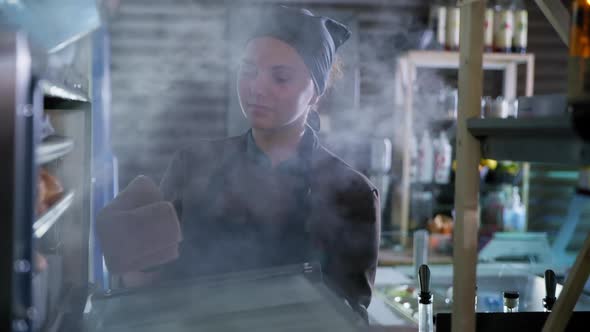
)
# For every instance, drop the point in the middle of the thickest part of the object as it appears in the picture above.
(269, 51)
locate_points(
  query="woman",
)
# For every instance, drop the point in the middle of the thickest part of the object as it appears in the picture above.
(275, 196)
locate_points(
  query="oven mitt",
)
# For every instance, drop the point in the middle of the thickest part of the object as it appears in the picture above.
(141, 191)
(138, 230)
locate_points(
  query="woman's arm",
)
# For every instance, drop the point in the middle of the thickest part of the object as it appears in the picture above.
(353, 263)
(171, 188)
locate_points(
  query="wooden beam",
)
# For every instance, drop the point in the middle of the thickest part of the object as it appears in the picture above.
(526, 167)
(574, 285)
(558, 16)
(406, 72)
(467, 176)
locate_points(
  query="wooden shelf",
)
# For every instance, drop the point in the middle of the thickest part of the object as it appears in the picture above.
(450, 60)
(544, 139)
(392, 258)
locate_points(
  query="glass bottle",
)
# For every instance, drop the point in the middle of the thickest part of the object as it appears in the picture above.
(488, 27)
(452, 26)
(521, 27)
(503, 27)
(437, 22)
(579, 54)
(511, 301)
(425, 314)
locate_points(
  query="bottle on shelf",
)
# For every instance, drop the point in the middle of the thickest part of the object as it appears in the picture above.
(437, 22)
(425, 159)
(414, 163)
(521, 27)
(579, 55)
(503, 26)
(550, 284)
(425, 314)
(511, 301)
(452, 26)
(488, 27)
(442, 159)
(513, 215)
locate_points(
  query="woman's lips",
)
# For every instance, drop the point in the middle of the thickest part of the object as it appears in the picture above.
(259, 109)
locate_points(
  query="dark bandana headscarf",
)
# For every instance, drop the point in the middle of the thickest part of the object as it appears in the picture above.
(315, 38)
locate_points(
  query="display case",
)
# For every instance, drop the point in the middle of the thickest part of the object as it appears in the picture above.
(290, 297)
(46, 205)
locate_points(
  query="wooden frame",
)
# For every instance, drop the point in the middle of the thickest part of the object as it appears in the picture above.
(406, 74)
(464, 274)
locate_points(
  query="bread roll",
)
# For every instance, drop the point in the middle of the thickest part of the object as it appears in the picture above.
(40, 206)
(54, 189)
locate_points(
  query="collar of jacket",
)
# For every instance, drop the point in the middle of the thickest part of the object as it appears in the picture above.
(298, 163)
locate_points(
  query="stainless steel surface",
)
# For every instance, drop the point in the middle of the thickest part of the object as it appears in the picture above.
(54, 147)
(7, 107)
(251, 301)
(54, 89)
(16, 174)
(49, 218)
(492, 281)
(53, 24)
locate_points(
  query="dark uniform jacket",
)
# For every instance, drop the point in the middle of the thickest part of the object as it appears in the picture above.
(239, 213)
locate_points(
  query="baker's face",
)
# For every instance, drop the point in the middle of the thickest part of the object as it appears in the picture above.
(274, 85)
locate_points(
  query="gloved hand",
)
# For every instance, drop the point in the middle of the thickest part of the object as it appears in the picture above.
(138, 230)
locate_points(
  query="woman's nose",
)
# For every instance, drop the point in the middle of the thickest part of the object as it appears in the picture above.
(259, 85)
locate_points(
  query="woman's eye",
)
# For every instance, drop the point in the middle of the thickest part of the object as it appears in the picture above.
(281, 78)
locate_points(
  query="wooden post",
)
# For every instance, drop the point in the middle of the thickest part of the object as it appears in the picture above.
(566, 301)
(526, 167)
(408, 73)
(399, 196)
(530, 75)
(558, 16)
(467, 176)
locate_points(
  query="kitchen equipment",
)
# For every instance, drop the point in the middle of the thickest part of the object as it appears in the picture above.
(425, 318)
(511, 301)
(550, 284)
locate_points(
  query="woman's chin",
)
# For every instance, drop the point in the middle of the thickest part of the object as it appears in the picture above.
(262, 125)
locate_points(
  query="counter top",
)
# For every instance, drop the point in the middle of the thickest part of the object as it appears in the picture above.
(388, 257)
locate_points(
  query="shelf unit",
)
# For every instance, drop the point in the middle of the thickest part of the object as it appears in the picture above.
(407, 65)
(67, 225)
(61, 235)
